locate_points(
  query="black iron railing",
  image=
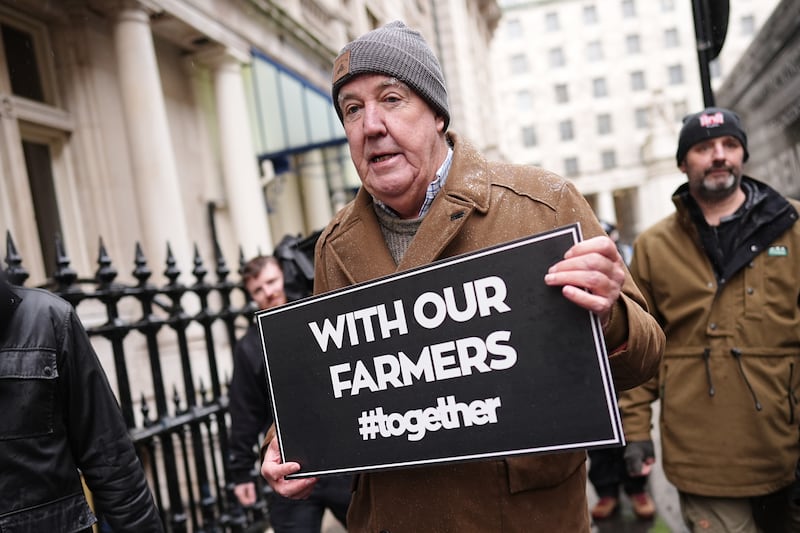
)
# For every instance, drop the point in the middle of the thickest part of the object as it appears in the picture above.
(167, 344)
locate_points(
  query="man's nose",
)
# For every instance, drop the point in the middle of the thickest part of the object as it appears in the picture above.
(373, 120)
(719, 150)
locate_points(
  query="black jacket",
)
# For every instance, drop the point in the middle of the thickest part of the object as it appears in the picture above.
(249, 405)
(60, 417)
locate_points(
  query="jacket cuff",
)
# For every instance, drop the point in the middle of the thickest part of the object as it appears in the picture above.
(616, 332)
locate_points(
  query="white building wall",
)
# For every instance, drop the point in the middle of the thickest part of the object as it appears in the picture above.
(524, 31)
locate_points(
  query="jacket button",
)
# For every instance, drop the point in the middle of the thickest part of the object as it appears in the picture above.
(713, 325)
(750, 290)
(47, 371)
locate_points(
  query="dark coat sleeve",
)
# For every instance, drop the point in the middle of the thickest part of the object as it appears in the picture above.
(249, 405)
(99, 439)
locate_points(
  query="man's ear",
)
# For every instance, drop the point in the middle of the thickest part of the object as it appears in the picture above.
(682, 166)
(440, 123)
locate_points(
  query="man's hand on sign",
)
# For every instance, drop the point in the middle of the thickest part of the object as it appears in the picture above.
(274, 471)
(595, 265)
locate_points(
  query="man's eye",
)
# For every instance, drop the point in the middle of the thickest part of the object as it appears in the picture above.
(350, 109)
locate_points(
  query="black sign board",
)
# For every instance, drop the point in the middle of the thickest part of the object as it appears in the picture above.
(468, 358)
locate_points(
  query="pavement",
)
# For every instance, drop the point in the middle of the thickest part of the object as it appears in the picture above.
(668, 513)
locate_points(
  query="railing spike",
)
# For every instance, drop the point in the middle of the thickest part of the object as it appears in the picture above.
(242, 260)
(172, 272)
(142, 272)
(15, 272)
(222, 267)
(199, 270)
(106, 273)
(64, 275)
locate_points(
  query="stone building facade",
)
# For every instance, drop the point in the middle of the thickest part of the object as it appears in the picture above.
(191, 122)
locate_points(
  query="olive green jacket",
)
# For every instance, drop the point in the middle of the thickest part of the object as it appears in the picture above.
(482, 204)
(729, 377)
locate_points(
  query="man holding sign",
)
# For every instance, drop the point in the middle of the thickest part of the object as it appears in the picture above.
(428, 195)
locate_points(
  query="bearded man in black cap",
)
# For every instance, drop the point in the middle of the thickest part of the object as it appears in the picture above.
(722, 277)
(428, 195)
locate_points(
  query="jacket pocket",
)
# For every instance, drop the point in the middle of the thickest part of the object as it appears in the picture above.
(71, 513)
(542, 471)
(28, 381)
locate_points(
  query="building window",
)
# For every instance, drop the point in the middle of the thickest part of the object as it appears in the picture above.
(551, 22)
(603, 124)
(594, 51)
(524, 101)
(633, 44)
(519, 64)
(641, 118)
(748, 25)
(514, 29)
(637, 81)
(22, 63)
(589, 15)
(562, 93)
(675, 74)
(671, 38)
(565, 128)
(529, 137)
(556, 58)
(599, 88)
(679, 110)
(609, 159)
(36, 149)
(628, 9)
(571, 167)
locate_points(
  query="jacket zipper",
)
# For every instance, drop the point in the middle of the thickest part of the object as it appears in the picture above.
(737, 354)
(661, 390)
(706, 357)
(792, 397)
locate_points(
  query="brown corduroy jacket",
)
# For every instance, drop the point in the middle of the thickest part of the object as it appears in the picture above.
(482, 204)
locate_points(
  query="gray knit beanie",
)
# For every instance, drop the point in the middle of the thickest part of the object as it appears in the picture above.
(707, 124)
(395, 50)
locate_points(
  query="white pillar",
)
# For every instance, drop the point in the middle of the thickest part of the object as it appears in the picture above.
(605, 207)
(245, 197)
(316, 195)
(336, 179)
(285, 199)
(155, 172)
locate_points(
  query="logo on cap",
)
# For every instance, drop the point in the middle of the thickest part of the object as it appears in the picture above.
(712, 121)
(342, 66)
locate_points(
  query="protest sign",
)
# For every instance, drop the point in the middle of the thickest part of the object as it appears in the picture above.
(467, 358)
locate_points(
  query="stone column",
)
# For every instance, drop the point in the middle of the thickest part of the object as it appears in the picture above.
(155, 173)
(316, 195)
(605, 208)
(245, 197)
(285, 200)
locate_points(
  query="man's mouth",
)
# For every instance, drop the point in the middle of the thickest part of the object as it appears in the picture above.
(718, 170)
(379, 158)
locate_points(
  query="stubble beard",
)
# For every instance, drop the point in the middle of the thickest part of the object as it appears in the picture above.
(716, 190)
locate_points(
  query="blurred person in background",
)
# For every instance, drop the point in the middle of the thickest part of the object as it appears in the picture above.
(251, 416)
